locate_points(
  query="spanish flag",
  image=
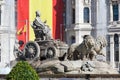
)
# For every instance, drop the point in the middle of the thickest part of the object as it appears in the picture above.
(23, 20)
(50, 10)
(22, 30)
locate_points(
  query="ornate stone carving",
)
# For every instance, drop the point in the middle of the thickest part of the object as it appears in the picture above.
(88, 49)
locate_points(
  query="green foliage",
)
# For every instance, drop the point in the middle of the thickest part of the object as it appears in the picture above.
(22, 71)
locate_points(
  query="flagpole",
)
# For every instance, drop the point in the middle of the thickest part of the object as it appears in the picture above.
(26, 23)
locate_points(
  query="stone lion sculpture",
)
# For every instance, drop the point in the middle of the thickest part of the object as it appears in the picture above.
(88, 49)
(81, 51)
(100, 43)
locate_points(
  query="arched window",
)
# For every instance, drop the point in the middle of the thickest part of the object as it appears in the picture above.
(86, 15)
(73, 39)
(115, 12)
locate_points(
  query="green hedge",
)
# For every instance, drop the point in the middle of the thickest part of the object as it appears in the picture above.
(22, 71)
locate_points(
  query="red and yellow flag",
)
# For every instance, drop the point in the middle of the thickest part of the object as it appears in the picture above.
(50, 10)
(22, 20)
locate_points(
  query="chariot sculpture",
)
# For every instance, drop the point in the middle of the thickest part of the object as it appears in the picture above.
(43, 47)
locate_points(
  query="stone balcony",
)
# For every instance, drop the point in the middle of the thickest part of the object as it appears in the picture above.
(79, 26)
(114, 26)
(114, 23)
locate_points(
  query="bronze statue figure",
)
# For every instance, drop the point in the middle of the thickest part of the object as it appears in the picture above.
(41, 30)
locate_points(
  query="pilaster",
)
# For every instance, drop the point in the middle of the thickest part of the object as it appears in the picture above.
(119, 48)
(111, 12)
(112, 50)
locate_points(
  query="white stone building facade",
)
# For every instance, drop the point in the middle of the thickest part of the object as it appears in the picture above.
(96, 18)
(7, 33)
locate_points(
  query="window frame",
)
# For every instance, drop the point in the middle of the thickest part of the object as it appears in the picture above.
(115, 8)
(86, 12)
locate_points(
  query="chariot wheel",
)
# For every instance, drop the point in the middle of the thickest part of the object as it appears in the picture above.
(31, 50)
(50, 52)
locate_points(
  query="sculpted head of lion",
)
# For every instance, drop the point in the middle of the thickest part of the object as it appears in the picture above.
(102, 41)
(89, 41)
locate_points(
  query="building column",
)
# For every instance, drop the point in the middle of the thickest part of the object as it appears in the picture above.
(68, 20)
(79, 11)
(119, 48)
(68, 12)
(78, 35)
(78, 20)
(111, 12)
(112, 50)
